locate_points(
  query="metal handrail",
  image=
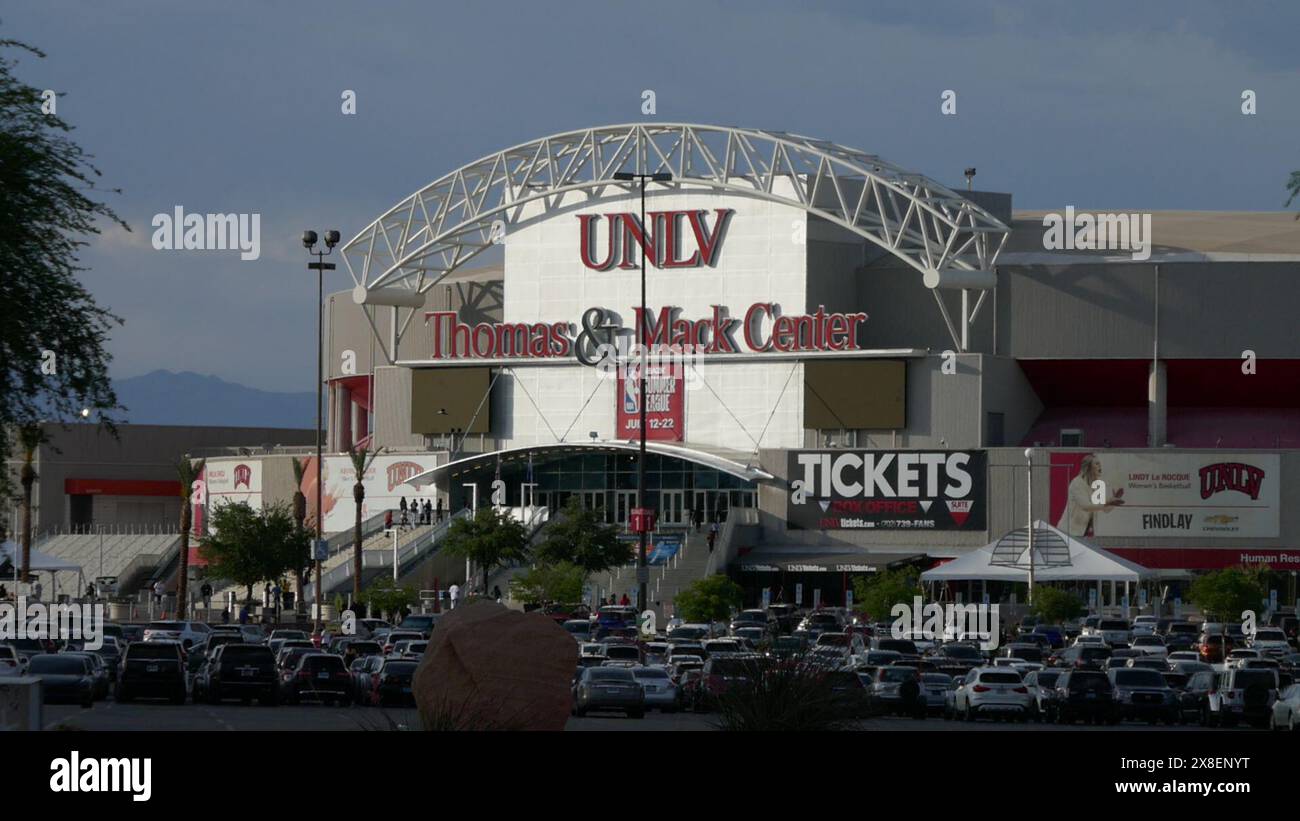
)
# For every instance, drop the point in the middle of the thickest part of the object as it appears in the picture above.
(383, 558)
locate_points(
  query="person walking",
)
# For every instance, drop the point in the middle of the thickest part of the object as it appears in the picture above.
(439, 510)
(453, 593)
(206, 593)
(406, 522)
(275, 597)
(158, 594)
(713, 535)
(496, 592)
(388, 520)
(697, 516)
(625, 601)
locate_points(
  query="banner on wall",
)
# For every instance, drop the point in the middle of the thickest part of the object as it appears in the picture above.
(887, 490)
(385, 484)
(1203, 495)
(229, 481)
(664, 403)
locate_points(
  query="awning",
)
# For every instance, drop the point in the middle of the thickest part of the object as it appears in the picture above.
(802, 560)
(736, 463)
(40, 561)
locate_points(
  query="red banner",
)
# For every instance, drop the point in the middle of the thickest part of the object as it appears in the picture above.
(664, 400)
(1208, 558)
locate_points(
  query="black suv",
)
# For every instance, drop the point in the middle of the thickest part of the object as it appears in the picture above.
(320, 676)
(1143, 694)
(152, 668)
(242, 671)
(1083, 694)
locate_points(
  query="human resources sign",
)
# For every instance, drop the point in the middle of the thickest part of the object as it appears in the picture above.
(887, 490)
(1205, 495)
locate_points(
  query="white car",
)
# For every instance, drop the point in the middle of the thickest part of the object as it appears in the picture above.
(1145, 625)
(1286, 710)
(1270, 641)
(1236, 657)
(1150, 645)
(1090, 640)
(1183, 655)
(1021, 666)
(185, 632)
(1115, 631)
(992, 691)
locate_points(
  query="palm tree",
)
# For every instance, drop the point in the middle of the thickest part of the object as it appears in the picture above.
(360, 464)
(187, 471)
(299, 515)
(30, 438)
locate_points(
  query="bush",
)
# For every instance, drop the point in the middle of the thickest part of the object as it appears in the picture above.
(877, 594)
(785, 696)
(1054, 605)
(708, 600)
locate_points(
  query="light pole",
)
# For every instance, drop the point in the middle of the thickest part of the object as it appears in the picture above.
(642, 577)
(320, 266)
(473, 511)
(1029, 507)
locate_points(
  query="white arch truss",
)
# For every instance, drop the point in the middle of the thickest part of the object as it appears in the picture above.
(950, 240)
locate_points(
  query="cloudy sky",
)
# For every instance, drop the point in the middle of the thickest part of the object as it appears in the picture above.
(235, 107)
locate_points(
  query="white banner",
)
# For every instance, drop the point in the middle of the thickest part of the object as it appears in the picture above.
(1204, 495)
(227, 481)
(385, 484)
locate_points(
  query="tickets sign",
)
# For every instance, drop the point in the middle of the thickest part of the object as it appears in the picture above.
(887, 490)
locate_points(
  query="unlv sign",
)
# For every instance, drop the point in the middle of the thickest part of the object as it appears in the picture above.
(665, 244)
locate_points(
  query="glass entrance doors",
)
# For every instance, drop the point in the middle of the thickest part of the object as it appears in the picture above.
(672, 508)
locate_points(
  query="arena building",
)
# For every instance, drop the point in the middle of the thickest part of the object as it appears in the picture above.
(850, 358)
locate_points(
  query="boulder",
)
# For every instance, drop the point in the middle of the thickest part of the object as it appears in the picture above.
(491, 668)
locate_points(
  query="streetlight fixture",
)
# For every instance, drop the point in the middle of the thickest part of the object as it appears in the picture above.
(642, 576)
(392, 531)
(320, 266)
(1029, 507)
(473, 508)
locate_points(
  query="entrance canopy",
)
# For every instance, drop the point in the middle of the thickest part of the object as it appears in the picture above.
(731, 462)
(1087, 563)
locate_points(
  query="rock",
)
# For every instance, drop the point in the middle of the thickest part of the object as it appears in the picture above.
(491, 668)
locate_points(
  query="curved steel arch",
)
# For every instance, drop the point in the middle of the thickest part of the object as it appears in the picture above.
(949, 239)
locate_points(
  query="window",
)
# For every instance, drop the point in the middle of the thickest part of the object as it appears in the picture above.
(1072, 438)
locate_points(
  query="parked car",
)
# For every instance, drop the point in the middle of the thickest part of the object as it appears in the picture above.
(1193, 693)
(1042, 692)
(992, 691)
(660, 690)
(1241, 695)
(185, 632)
(392, 683)
(1286, 710)
(1116, 632)
(1150, 644)
(239, 671)
(99, 671)
(721, 674)
(410, 648)
(784, 647)
(317, 676)
(64, 677)
(1271, 641)
(1144, 695)
(608, 688)
(897, 690)
(422, 623)
(152, 668)
(1082, 657)
(1084, 694)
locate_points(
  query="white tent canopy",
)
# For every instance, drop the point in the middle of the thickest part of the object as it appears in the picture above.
(40, 561)
(1087, 563)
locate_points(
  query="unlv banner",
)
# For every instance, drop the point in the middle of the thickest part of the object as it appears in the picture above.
(887, 490)
(664, 403)
(1206, 495)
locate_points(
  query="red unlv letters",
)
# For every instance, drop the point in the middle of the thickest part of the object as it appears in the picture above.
(624, 233)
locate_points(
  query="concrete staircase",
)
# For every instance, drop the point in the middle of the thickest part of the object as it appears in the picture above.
(690, 564)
